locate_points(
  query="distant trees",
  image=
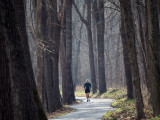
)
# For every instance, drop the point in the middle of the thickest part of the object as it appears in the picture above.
(19, 97)
(90, 42)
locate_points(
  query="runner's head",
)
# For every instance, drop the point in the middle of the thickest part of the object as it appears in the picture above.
(87, 80)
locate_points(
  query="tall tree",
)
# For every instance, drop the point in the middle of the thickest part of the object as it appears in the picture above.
(23, 101)
(90, 44)
(50, 28)
(128, 74)
(141, 43)
(68, 90)
(130, 37)
(100, 22)
(51, 93)
(153, 48)
(39, 26)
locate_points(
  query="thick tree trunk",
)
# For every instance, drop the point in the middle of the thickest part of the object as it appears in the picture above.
(68, 90)
(24, 96)
(127, 67)
(153, 48)
(130, 37)
(100, 22)
(51, 94)
(142, 44)
(6, 108)
(100, 39)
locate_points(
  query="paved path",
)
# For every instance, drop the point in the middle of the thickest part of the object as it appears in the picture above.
(92, 110)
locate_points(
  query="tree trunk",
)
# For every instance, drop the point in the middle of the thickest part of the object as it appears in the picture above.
(63, 56)
(95, 46)
(68, 90)
(39, 25)
(51, 94)
(24, 96)
(130, 37)
(100, 39)
(6, 108)
(127, 67)
(153, 46)
(142, 45)
(90, 43)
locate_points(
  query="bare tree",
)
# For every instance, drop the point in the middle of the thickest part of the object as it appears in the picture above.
(127, 66)
(153, 48)
(100, 22)
(89, 33)
(68, 90)
(126, 13)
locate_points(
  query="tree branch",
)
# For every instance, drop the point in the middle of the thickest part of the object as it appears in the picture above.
(79, 14)
(62, 12)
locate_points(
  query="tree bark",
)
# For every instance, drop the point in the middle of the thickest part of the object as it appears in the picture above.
(130, 37)
(51, 94)
(68, 90)
(90, 43)
(142, 44)
(6, 108)
(127, 67)
(24, 96)
(153, 46)
(100, 23)
(100, 39)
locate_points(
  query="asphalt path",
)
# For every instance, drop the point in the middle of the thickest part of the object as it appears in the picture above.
(93, 110)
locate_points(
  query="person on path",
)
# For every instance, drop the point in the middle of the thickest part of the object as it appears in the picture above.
(87, 87)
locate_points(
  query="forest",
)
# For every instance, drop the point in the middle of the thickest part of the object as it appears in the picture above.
(49, 48)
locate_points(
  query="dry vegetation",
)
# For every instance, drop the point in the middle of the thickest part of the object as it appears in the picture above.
(60, 112)
(125, 109)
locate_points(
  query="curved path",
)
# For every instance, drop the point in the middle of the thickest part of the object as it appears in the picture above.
(92, 110)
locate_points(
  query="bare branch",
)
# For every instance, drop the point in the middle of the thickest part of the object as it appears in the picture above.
(80, 16)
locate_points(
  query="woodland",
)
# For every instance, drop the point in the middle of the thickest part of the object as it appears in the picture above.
(48, 48)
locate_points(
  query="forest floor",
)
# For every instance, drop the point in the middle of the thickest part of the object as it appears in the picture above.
(123, 109)
(93, 110)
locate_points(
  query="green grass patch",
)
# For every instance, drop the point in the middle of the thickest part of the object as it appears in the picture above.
(124, 109)
(156, 118)
(80, 93)
(114, 94)
(111, 93)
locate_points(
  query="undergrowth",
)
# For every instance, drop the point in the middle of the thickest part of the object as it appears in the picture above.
(124, 109)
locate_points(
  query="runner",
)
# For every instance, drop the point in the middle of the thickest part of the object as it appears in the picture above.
(87, 87)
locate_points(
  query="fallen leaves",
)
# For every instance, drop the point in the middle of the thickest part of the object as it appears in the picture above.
(60, 112)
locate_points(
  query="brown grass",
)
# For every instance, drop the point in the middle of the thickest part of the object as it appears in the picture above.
(60, 112)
